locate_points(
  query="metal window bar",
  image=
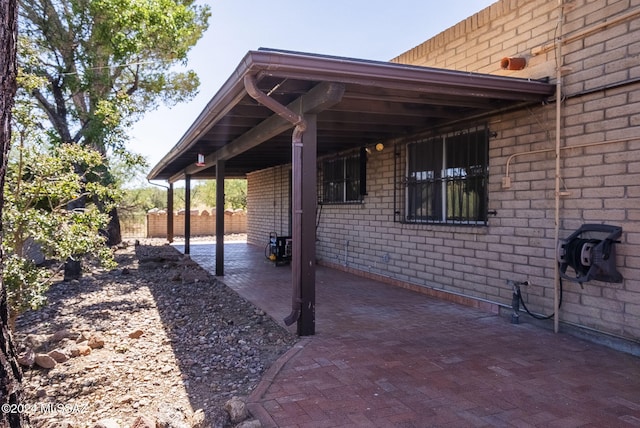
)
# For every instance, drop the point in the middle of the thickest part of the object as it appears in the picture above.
(341, 180)
(445, 179)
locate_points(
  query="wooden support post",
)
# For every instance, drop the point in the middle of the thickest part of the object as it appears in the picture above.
(170, 213)
(187, 214)
(220, 218)
(307, 321)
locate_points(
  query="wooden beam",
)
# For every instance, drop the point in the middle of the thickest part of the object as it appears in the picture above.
(319, 98)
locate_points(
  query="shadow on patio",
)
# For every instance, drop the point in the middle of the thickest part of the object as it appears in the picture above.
(387, 356)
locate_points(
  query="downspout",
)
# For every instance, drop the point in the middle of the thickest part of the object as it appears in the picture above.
(559, 60)
(296, 196)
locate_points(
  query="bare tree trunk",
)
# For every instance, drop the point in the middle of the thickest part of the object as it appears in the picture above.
(10, 374)
(114, 234)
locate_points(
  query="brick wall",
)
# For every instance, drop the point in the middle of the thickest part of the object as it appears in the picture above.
(268, 196)
(601, 104)
(203, 223)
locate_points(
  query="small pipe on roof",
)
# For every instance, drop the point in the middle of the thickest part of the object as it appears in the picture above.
(513, 63)
(296, 196)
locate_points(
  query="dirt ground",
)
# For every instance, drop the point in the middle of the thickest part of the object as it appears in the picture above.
(157, 337)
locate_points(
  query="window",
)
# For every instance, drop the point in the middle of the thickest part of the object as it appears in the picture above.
(343, 180)
(446, 179)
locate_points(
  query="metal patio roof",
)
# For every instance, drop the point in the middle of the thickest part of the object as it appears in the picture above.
(358, 103)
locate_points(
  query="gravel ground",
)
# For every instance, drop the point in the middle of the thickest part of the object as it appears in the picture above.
(157, 337)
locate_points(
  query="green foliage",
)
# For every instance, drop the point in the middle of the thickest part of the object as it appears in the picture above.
(235, 192)
(94, 66)
(141, 200)
(40, 186)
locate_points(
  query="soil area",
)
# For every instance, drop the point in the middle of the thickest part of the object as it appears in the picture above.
(157, 337)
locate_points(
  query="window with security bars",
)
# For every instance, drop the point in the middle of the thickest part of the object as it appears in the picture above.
(342, 180)
(446, 179)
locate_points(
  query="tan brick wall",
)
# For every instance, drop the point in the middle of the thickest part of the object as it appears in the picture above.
(203, 223)
(268, 199)
(601, 102)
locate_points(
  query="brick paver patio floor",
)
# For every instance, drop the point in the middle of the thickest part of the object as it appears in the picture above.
(384, 356)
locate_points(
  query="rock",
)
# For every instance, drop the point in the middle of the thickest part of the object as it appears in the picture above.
(45, 361)
(74, 351)
(96, 341)
(80, 350)
(106, 423)
(27, 358)
(82, 337)
(237, 410)
(143, 422)
(72, 270)
(136, 334)
(59, 356)
(194, 274)
(63, 334)
(170, 417)
(187, 346)
(32, 250)
(127, 399)
(36, 341)
(253, 423)
(198, 419)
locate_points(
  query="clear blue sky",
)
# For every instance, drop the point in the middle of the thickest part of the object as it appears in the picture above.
(366, 29)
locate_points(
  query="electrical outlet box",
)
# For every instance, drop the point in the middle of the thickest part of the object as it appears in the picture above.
(506, 182)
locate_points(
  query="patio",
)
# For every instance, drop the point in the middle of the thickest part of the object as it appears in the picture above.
(389, 357)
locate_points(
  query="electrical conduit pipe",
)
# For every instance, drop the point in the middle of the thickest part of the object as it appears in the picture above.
(559, 60)
(296, 160)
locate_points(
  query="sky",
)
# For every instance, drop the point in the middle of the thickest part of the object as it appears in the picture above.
(363, 29)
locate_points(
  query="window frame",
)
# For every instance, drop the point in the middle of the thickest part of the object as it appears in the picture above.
(446, 179)
(343, 179)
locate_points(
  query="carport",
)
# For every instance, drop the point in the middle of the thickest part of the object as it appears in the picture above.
(281, 107)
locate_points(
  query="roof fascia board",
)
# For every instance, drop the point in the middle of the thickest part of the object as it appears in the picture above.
(347, 70)
(396, 76)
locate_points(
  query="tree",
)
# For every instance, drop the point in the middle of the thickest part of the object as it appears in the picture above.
(235, 192)
(10, 373)
(40, 185)
(98, 65)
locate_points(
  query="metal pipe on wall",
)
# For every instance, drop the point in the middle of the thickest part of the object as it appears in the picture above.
(556, 283)
(586, 31)
(573, 146)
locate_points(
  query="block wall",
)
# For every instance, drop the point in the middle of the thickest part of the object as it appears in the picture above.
(203, 223)
(600, 105)
(268, 199)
